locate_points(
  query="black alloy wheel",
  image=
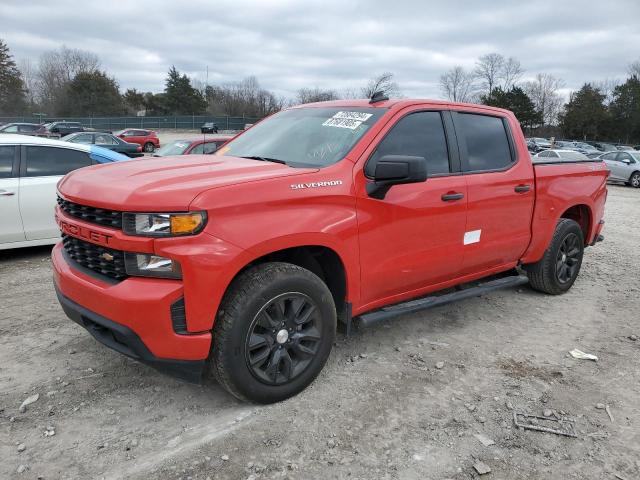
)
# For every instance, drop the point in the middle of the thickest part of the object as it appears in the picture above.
(283, 338)
(568, 258)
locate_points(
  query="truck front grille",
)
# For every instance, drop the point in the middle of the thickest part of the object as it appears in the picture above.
(102, 260)
(100, 216)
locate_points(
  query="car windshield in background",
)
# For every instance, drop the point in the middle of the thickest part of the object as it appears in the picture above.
(305, 137)
(174, 148)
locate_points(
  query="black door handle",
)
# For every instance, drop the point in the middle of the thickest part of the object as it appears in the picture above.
(450, 197)
(522, 188)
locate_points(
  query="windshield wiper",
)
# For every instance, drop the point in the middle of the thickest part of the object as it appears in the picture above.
(265, 159)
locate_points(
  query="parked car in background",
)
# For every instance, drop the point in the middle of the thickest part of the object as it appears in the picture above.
(147, 139)
(540, 143)
(209, 127)
(204, 146)
(604, 147)
(624, 147)
(106, 140)
(571, 145)
(560, 155)
(24, 129)
(62, 129)
(30, 168)
(586, 148)
(624, 166)
(595, 154)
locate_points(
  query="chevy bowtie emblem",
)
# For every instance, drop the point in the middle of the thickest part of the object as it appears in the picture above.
(107, 257)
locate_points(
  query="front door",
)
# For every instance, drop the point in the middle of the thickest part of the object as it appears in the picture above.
(10, 222)
(412, 238)
(616, 167)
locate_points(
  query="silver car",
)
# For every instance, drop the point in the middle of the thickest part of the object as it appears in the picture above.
(559, 155)
(624, 166)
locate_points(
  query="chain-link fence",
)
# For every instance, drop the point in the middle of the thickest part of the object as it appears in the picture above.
(170, 122)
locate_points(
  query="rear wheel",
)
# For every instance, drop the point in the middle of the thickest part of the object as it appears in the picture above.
(274, 332)
(634, 180)
(558, 269)
(149, 147)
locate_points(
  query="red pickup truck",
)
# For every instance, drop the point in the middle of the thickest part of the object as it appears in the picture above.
(239, 265)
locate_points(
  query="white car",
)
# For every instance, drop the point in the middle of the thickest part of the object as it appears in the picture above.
(559, 155)
(624, 166)
(30, 168)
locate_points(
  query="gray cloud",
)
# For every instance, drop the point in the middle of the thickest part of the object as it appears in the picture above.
(289, 44)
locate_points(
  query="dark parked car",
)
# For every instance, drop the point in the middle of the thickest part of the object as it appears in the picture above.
(199, 146)
(604, 147)
(209, 127)
(24, 129)
(62, 129)
(106, 140)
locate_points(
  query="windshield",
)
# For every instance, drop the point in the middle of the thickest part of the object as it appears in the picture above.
(174, 148)
(305, 137)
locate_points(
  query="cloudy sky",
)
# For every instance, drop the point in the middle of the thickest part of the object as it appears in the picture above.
(290, 44)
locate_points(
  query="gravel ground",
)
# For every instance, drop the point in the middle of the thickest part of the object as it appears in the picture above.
(413, 398)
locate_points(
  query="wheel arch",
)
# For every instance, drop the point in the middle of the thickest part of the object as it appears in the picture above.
(583, 216)
(320, 259)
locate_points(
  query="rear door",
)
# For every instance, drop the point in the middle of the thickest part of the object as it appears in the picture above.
(500, 191)
(10, 221)
(412, 239)
(41, 168)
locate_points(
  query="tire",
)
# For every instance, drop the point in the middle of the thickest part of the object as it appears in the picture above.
(558, 269)
(273, 333)
(634, 180)
(149, 147)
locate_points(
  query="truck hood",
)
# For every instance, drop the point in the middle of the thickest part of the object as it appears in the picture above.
(164, 183)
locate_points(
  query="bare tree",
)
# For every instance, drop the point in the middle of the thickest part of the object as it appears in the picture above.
(634, 69)
(56, 70)
(511, 73)
(310, 95)
(458, 85)
(489, 70)
(29, 72)
(607, 88)
(381, 83)
(543, 92)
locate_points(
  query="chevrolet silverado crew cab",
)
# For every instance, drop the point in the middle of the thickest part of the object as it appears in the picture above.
(239, 265)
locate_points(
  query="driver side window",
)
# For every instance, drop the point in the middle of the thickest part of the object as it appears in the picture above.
(419, 134)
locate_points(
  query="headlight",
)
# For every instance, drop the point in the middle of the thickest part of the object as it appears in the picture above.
(163, 224)
(146, 265)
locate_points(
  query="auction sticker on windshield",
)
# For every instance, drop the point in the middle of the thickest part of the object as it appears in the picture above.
(350, 120)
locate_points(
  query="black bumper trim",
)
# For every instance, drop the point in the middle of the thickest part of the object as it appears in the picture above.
(124, 340)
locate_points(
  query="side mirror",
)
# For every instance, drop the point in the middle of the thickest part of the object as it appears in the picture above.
(396, 170)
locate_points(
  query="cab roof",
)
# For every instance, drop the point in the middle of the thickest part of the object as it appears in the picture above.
(397, 104)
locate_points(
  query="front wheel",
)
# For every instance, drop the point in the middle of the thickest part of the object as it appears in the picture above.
(558, 269)
(634, 180)
(274, 332)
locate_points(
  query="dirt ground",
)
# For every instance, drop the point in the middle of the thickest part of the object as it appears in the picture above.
(380, 409)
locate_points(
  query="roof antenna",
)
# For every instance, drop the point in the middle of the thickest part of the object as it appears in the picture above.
(378, 96)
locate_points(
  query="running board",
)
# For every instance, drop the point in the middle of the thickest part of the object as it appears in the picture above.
(373, 318)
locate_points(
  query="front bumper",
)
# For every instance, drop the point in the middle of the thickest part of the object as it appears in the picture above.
(124, 340)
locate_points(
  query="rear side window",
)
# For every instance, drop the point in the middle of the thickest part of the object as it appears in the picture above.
(7, 155)
(418, 134)
(486, 140)
(47, 161)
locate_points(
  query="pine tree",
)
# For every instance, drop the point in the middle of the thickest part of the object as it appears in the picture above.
(12, 93)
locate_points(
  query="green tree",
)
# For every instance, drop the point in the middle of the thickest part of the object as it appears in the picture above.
(625, 111)
(181, 97)
(518, 102)
(92, 93)
(12, 91)
(133, 100)
(585, 116)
